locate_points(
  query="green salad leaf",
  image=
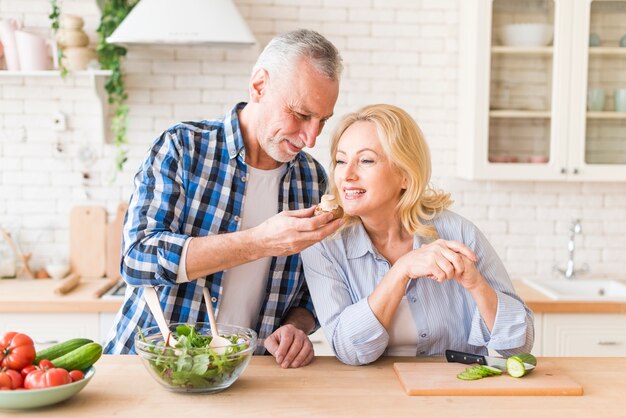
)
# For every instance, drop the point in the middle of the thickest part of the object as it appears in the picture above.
(192, 363)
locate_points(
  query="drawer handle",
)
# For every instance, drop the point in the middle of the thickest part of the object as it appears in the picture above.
(602, 342)
(47, 342)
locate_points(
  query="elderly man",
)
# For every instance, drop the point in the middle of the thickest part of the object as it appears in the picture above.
(227, 205)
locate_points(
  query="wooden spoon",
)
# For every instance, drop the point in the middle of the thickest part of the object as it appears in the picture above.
(218, 343)
(155, 307)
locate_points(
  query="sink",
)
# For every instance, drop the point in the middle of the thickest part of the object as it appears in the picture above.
(580, 289)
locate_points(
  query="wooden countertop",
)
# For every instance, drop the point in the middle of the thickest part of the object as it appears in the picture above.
(34, 296)
(327, 388)
(25, 295)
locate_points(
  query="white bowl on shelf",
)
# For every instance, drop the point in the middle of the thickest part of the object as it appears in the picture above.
(526, 34)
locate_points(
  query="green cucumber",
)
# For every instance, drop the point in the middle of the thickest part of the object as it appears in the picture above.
(80, 358)
(60, 349)
(516, 365)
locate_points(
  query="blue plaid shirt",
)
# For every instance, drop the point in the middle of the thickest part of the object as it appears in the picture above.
(192, 185)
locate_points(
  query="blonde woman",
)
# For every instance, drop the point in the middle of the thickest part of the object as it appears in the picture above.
(405, 276)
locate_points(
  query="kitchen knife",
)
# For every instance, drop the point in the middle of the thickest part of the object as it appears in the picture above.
(468, 358)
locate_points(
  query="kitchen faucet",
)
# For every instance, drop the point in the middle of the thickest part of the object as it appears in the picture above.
(570, 272)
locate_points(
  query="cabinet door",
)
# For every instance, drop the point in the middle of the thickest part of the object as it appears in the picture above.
(538, 345)
(598, 105)
(320, 344)
(48, 329)
(514, 90)
(592, 335)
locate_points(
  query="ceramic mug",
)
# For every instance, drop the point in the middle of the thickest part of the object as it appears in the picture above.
(7, 36)
(620, 100)
(35, 52)
(595, 99)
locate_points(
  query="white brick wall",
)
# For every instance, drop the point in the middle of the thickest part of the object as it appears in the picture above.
(402, 52)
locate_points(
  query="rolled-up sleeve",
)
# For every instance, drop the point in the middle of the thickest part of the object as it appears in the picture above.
(153, 243)
(353, 331)
(513, 330)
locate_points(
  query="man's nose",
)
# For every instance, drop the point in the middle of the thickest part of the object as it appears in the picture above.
(310, 132)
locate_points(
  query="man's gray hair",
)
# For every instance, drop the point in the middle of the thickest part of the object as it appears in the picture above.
(282, 53)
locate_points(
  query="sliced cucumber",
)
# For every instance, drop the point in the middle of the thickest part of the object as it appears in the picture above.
(521, 364)
(478, 372)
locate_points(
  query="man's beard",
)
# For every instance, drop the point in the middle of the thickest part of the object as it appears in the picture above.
(274, 150)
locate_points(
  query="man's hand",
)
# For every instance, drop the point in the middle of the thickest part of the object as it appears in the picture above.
(290, 232)
(290, 346)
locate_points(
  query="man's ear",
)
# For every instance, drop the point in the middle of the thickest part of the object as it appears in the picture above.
(258, 85)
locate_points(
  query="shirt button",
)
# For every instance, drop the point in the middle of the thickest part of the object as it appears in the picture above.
(243, 178)
(237, 218)
(213, 299)
(424, 335)
(413, 300)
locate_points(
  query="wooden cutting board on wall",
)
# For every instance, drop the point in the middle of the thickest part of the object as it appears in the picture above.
(439, 379)
(114, 242)
(88, 241)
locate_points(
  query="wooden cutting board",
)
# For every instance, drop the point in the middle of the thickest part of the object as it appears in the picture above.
(114, 242)
(439, 379)
(88, 241)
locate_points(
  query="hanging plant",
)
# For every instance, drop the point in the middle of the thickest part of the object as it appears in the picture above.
(110, 57)
(54, 17)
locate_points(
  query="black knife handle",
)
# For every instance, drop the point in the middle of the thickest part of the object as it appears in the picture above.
(465, 358)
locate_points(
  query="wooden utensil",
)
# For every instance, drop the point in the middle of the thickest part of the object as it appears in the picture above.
(88, 241)
(67, 284)
(218, 343)
(439, 379)
(152, 299)
(114, 242)
(105, 287)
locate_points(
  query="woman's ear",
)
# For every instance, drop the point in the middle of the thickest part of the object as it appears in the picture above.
(258, 85)
(405, 182)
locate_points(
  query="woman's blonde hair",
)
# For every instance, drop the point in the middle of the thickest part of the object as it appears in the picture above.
(404, 145)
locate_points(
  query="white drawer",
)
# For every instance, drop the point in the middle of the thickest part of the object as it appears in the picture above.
(596, 335)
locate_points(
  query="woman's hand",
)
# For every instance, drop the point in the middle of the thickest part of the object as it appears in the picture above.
(440, 260)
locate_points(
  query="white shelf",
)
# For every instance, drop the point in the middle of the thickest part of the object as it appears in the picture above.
(606, 115)
(98, 80)
(517, 50)
(55, 73)
(607, 50)
(544, 114)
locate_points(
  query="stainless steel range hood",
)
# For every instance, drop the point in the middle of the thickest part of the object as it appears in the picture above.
(177, 22)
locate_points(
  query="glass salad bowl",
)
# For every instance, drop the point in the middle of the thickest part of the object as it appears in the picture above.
(192, 366)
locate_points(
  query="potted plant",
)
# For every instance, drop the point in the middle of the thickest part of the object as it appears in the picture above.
(110, 57)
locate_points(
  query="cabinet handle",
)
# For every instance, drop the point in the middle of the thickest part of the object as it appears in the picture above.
(602, 342)
(575, 171)
(563, 170)
(47, 342)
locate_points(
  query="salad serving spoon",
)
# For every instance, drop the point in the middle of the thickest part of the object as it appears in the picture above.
(218, 343)
(155, 307)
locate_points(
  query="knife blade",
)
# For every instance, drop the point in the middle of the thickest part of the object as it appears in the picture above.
(468, 358)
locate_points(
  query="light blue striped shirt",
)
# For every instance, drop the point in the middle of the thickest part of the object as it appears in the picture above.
(342, 271)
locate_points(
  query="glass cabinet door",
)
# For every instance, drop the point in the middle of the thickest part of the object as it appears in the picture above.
(605, 104)
(521, 83)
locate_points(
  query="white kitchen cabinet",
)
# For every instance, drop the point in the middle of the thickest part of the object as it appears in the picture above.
(518, 104)
(587, 335)
(538, 344)
(51, 328)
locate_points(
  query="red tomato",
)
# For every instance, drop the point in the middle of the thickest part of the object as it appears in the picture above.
(77, 375)
(27, 370)
(40, 379)
(16, 351)
(10, 379)
(46, 364)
